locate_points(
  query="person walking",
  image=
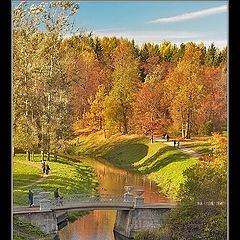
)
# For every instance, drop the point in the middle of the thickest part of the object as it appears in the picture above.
(43, 167)
(57, 197)
(174, 143)
(178, 144)
(167, 137)
(47, 169)
(30, 198)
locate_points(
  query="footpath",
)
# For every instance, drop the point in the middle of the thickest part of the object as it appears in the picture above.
(40, 179)
(183, 149)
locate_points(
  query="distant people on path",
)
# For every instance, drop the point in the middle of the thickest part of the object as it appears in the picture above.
(47, 169)
(174, 143)
(163, 136)
(58, 198)
(178, 143)
(30, 198)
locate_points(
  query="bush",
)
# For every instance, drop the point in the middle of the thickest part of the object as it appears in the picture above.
(202, 212)
(162, 233)
(208, 128)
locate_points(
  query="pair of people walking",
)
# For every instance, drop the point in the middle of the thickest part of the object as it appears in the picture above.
(176, 143)
(165, 136)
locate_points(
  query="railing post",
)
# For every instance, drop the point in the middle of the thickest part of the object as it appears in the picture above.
(45, 204)
(139, 199)
(128, 197)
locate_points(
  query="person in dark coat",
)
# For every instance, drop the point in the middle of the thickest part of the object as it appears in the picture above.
(167, 137)
(174, 143)
(30, 198)
(43, 167)
(47, 169)
(57, 197)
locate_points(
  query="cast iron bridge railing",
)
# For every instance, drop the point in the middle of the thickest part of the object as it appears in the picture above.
(90, 198)
(46, 201)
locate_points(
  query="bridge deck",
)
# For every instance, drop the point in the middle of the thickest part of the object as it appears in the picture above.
(92, 206)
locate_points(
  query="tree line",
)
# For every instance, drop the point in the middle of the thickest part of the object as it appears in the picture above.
(109, 83)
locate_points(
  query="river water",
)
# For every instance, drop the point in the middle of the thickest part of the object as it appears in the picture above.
(98, 224)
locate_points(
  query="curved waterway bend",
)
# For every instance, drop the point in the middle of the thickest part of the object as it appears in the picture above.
(98, 224)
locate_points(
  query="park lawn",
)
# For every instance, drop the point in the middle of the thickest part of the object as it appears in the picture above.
(163, 164)
(201, 145)
(120, 150)
(25, 173)
(70, 176)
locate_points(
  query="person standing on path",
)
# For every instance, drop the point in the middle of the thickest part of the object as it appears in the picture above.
(30, 198)
(174, 143)
(47, 169)
(167, 137)
(43, 167)
(57, 197)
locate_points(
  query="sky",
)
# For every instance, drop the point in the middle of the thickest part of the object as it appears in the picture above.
(156, 21)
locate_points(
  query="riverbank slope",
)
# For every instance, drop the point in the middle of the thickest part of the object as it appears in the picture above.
(162, 163)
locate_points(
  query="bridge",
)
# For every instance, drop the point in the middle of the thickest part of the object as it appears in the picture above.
(88, 202)
(132, 213)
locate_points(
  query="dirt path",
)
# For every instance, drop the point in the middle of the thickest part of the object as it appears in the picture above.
(183, 149)
(43, 176)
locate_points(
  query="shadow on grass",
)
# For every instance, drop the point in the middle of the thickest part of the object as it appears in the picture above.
(126, 153)
(24, 179)
(155, 162)
(202, 148)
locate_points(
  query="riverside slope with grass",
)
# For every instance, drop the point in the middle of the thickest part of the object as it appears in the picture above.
(162, 163)
(69, 176)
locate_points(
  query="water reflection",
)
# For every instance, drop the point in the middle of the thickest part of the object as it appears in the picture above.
(98, 225)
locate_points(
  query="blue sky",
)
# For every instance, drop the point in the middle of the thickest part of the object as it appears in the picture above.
(156, 21)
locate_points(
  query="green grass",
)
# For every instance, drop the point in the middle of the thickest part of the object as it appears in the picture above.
(68, 176)
(121, 150)
(224, 133)
(25, 231)
(163, 164)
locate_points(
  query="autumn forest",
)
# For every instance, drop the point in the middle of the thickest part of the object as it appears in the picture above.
(109, 83)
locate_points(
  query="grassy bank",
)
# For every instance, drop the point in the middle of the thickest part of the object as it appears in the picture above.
(200, 145)
(163, 164)
(69, 176)
(26, 231)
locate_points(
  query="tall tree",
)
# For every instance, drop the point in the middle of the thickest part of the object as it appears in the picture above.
(41, 27)
(212, 110)
(183, 89)
(125, 76)
(95, 116)
(150, 109)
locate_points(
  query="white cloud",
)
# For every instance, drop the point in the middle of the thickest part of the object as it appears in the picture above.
(152, 35)
(192, 15)
(141, 37)
(175, 37)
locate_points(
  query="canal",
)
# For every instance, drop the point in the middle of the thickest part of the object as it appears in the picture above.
(98, 224)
